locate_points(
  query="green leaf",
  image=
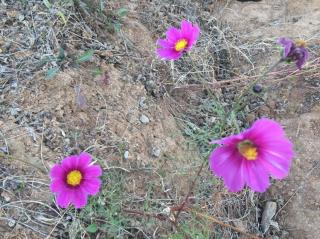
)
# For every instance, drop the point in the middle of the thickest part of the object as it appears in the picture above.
(47, 3)
(92, 228)
(97, 71)
(117, 26)
(122, 12)
(61, 55)
(62, 16)
(85, 56)
(52, 72)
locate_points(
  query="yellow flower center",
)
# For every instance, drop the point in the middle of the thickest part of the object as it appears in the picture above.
(180, 45)
(300, 43)
(74, 178)
(248, 150)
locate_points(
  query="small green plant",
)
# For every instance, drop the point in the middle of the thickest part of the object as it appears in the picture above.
(56, 11)
(194, 228)
(61, 59)
(112, 19)
(215, 124)
(103, 213)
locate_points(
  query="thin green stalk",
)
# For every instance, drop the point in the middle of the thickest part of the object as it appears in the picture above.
(172, 70)
(236, 107)
(238, 102)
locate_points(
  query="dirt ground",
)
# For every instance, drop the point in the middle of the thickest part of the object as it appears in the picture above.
(298, 196)
(132, 121)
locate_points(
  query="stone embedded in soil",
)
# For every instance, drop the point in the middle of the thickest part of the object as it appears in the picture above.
(144, 119)
(156, 152)
(6, 196)
(142, 103)
(267, 215)
(11, 222)
(126, 155)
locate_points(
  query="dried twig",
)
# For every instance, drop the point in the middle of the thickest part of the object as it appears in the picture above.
(212, 219)
(160, 217)
(188, 195)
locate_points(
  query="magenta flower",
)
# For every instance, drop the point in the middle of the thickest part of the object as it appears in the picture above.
(294, 51)
(178, 41)
(74, 179)
(251, 156)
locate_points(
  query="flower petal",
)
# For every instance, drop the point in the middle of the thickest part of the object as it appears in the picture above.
(227, 163)
(173, 34)
(302, 60)
(165, 44)
(230, 140)
(189, 32)
(168, 54)
(256, 176)
(287, 44)
(84, 159)
(79, 198)
(57, 171)
(57, 185)
(91, 186)
(63, 199)
(92, 171)
(263, 131)
(277, 157)
(70, 162)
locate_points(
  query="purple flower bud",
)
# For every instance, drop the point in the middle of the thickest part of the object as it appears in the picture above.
(257, 88)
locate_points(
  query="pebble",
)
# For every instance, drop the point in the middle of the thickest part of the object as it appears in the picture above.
(139, 77)
(11, 222)
(14, 111)
(6, 196)
(142, 102)
(156, 152)
(126, 155)
(267, 215)
(144, 119)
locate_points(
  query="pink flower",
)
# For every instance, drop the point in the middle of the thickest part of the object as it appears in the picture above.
(74, 179)
(178, 41)
(251, 156)
(294, 51)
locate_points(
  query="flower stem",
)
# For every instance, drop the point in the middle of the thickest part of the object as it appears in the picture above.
(172, 70)
(236, 106)
(181, 207)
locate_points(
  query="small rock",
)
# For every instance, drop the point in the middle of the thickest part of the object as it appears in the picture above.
(144, 119)
(240, 224)
(11, 222)
(14, 111)
(139, 77)
(284, 234)
(21, 17)
(267, 215)
(156, 152)
(150, 85)
(14, 84)
(142, 102)
(4, 149)
(126, 155)
(6, 196)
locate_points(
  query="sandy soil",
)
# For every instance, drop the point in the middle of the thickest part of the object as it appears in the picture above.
(297, 197)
